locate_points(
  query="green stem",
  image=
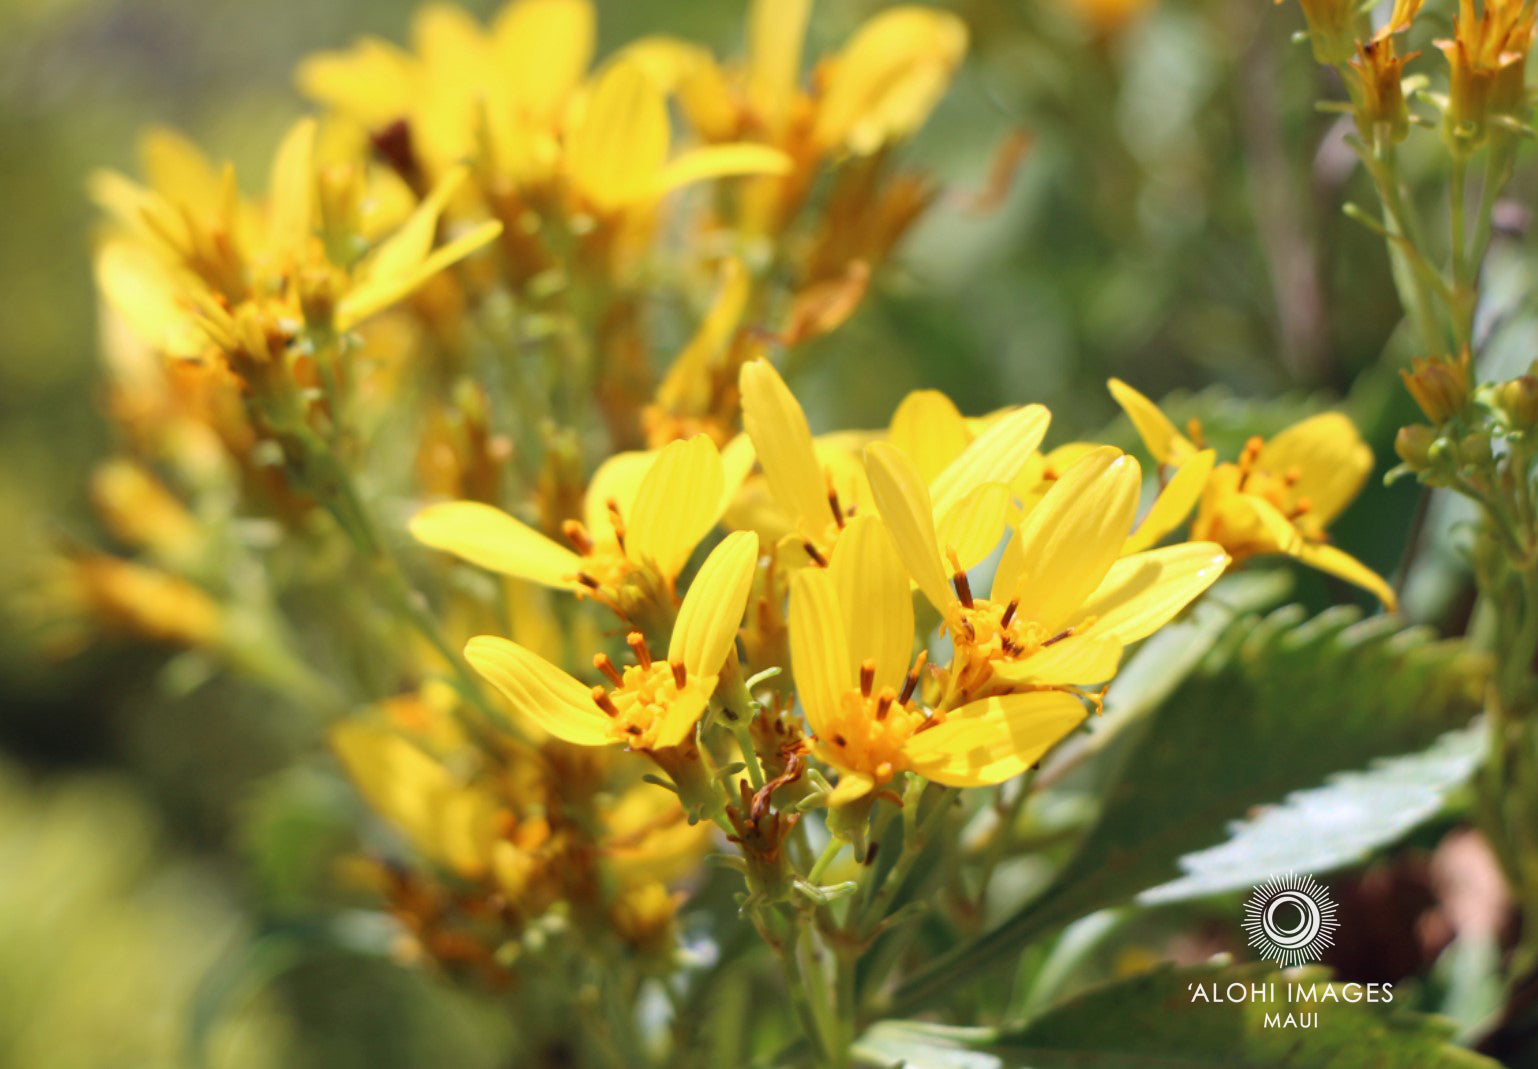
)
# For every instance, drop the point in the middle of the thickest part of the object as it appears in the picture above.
(1418, 283)
(829, 852)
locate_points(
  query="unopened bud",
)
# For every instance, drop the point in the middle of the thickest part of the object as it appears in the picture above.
(1474, 450)
(1440, 386)
(1518, 400)
(1414, 445)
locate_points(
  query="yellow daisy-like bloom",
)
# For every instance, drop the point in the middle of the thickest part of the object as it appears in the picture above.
(876, 90)
(1280, 496)
(424, 108)
(642, 511)
(192, 264)
(851, 640)
(879, 88)
(819, 485)
(513, 97)
(1065, 599)
(617, 149)
(652, 704)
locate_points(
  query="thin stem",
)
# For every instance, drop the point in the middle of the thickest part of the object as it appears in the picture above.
(829, 852)
(1456, 210)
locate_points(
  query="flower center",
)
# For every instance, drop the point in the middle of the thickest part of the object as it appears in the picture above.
(641, 696)
(869, 729)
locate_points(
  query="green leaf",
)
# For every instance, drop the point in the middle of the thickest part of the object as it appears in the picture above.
(1281, 703)
(1332, 826)
(1156, 1021)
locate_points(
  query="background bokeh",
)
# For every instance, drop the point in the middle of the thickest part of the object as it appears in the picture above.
(1169, 225)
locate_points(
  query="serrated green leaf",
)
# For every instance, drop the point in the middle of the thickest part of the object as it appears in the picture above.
(1155, 1021)
(1281, 703)
(1329, 827)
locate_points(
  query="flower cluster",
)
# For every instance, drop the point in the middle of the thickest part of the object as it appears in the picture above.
(468, 436)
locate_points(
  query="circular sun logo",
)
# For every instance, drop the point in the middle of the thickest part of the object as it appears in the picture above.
(1290, 920)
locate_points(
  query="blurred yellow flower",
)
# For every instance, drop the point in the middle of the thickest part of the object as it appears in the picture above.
(1487, 65)
(191, 264)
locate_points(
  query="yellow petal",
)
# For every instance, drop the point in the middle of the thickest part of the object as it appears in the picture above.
(1342, 565)
(540, 691)
(292, 211)
(371, 82)
(928, 427)
(139, 288)
(780, 434)
(1174, 502)
(904, 504)
(852, 786)
(178, 170)
(1070, 540)
(776, 33)
(819, 649)
(488, 537)
(617, 480)
(1143, 592)
(996, 456)
(712, 610)
(737, 459)
(620, 142)
(1010, 572)
(1078, 660)
(1329, 458)
(874, 600)
(448, 822)
(543, 47)
(677, 503)
(383, 290)
(887, 79)
(684, 711)
(1164, 442)
(995, 739)
(976, 524)
(716, 161)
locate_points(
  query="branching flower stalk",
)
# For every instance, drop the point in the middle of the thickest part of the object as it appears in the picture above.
(1478, 441)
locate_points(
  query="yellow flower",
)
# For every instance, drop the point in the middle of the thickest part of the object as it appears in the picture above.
(1064, 599)
(818, 485)
(424, 109)
(653, 704)
(453, 823)
(1487, 63)
(616, 152)
(875, 91)
(851, 641)
(1376, 85)
(642, 511)
(191, 264)
(1280, 496)
(879, 88)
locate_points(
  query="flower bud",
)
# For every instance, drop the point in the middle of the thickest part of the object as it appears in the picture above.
(1440, 386)
(1414, 445)
(1474, 450)
(1518, 401)
(1333, 28)
(1377, 92)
